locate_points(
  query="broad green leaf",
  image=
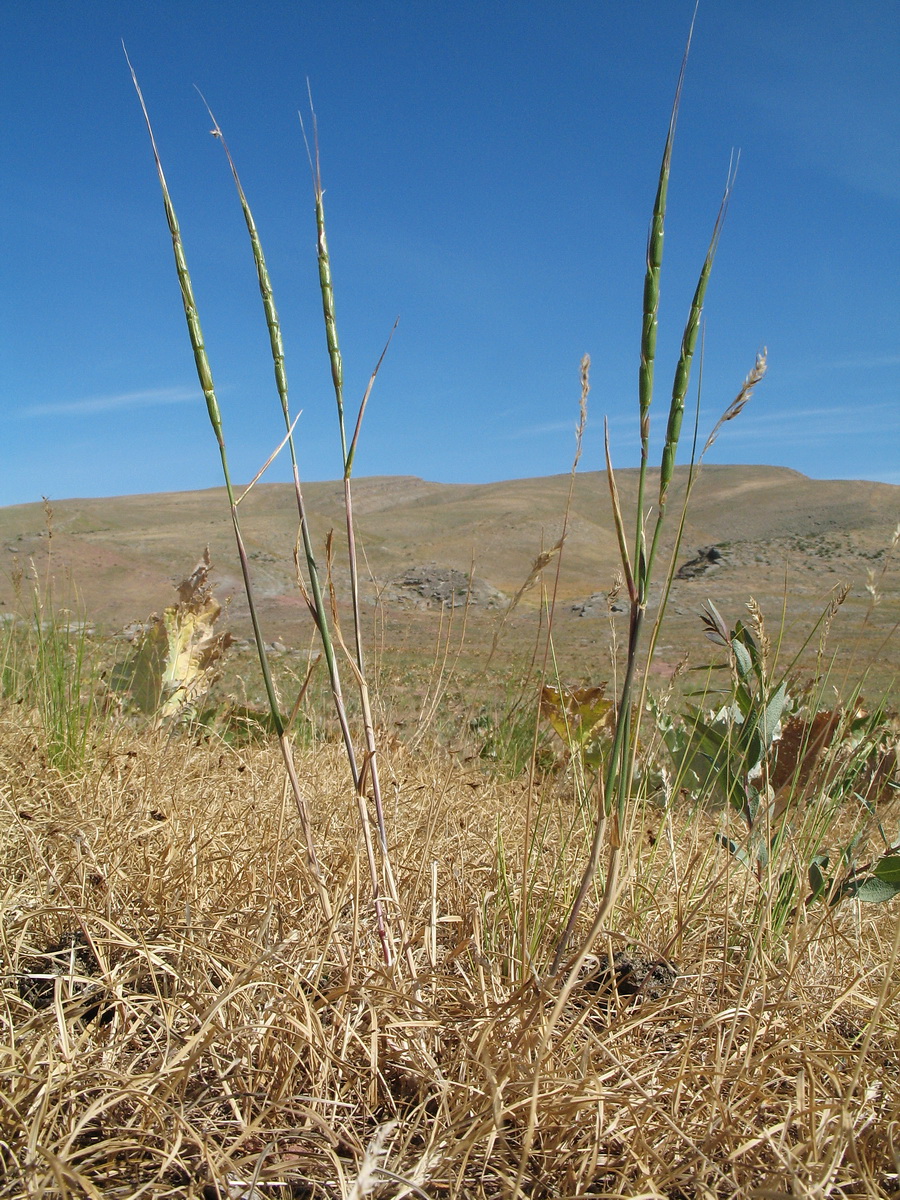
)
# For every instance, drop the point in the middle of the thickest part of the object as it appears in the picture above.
(742, 658)
(743, 702)
(770, 718)
(762, 854)
(735, 850)
(755, 751)
(593, 755)
(849, 851)
(876, 891)
(887, 869)
(141, 674)
(818, 881)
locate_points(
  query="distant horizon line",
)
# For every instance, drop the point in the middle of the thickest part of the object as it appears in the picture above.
(652, 470)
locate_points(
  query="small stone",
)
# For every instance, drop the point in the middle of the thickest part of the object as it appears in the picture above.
(635, 975)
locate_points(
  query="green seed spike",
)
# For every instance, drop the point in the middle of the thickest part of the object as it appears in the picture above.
(262, 273)
(204, 374)
(277, 347)
(688, 346)
(649, 325)
(327, 289)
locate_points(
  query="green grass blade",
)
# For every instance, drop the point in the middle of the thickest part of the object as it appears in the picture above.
(351, 453)
(262, 273)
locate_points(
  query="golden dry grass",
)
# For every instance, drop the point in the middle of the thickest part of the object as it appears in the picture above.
(200, 1040)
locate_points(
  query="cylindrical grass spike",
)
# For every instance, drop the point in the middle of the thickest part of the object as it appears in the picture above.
(686, 357)
(325, 285)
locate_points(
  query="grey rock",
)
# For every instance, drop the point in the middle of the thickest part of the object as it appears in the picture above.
(597, 605)
(709, 558)
(433, 586)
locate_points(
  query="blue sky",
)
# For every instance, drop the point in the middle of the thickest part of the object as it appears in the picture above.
(489, 170)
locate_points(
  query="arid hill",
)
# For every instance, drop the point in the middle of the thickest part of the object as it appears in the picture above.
(750, 531)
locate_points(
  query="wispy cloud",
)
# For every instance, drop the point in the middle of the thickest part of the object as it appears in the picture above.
(150, 398)
(802, 371)
(529, 431)
(817, 423)
(866, 362)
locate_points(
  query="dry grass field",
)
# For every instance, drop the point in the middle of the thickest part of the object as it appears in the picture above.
(180, 1020)
(194, 1035)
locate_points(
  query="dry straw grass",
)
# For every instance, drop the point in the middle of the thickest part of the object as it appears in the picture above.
(199, 1037)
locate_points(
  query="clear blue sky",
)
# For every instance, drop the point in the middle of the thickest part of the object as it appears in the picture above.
(489, 169)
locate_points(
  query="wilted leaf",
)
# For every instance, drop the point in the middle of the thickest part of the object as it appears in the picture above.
(575, 713)
(801, 745)
(240, 724)
(174, 663)
(714, 627)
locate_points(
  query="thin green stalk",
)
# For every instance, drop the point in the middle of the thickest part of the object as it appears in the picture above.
(525, 895)
(348, 507)
(319, 609)
(620, 764)
(204, 374)
(693, 470)
(347, 455)
(613, 797)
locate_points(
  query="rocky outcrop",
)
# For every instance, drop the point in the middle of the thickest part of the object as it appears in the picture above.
(433, 586)
(597, 605)
(709, 558)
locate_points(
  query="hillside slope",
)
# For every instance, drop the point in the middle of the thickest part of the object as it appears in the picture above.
(769, 525)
